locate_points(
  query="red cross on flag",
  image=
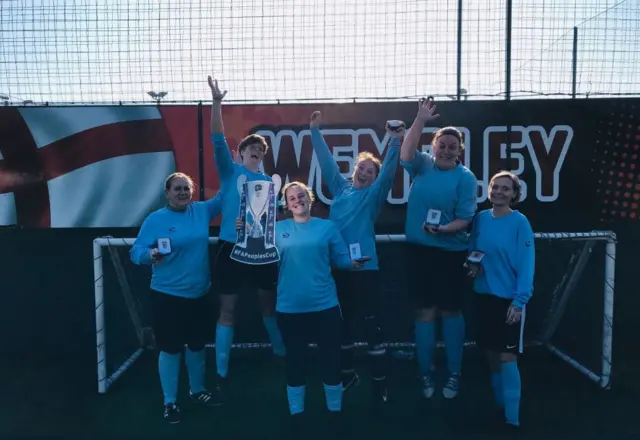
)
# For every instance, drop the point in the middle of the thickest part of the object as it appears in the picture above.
(67, 167)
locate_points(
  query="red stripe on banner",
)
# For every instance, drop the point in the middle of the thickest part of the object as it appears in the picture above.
(30, 167)
(24, 164)
(102, 143)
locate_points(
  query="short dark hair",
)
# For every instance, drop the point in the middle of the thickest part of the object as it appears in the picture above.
(253, 139)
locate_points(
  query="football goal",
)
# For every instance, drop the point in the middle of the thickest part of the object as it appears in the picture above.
(570, 313)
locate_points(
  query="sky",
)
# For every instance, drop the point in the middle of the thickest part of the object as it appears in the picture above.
(103, 51)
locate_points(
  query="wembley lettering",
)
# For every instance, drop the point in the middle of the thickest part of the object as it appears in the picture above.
(291, 156)
(546, 151)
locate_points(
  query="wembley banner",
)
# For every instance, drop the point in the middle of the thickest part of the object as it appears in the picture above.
(104, 166)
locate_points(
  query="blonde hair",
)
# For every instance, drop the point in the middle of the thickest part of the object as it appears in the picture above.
(365, 155)
(302, 186)
(515, 184)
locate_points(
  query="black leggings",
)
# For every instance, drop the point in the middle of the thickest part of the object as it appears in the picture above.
(300, 329)
(359, 295)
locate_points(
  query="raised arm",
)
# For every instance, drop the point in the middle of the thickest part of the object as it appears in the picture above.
(140, 252)
(384, 182)
(426, 110)
(525, 263)
(328, 166)
(222, 155)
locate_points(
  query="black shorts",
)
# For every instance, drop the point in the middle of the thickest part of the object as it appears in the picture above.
(234, 277)
(437, 277)
(492, 331)
(181, 321)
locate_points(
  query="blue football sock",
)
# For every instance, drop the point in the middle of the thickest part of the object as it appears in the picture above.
(511, 388)
(333, 397)
(425, 334)
(496, 384)
(169, 369)
(224, 340)
(295, 395)
(453, 333)
(271, 324)
(195, 367)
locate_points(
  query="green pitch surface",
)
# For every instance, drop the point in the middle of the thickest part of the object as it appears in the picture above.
(59, 398)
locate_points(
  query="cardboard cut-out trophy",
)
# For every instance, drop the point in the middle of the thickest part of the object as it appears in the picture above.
(255, 243)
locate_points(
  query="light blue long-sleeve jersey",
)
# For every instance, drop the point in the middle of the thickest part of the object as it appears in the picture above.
(308, 251)
(229, 171)
(453, 192)
(354, 211)
(185, 271)
(508, 265)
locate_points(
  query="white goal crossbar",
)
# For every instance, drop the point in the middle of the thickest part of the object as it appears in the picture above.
(105, 380)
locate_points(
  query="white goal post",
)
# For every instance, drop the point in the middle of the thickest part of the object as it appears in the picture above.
(106, 378)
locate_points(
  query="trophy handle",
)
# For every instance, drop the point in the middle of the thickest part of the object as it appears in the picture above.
(241, 180)
(277, 183)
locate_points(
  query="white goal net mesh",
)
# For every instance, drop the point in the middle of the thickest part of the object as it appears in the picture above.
(571, 311)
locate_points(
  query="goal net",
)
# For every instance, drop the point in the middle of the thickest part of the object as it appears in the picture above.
(570, 313)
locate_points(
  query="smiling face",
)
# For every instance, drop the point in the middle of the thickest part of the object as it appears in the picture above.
(298, 199)
(447, 150)
(179, 190)
(504, 190)
(366, 170)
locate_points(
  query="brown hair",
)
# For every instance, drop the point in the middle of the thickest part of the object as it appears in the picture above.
(365, 155)
(300, 185)
(452, 131)
(253, 139)
(167, 182)
(515, 184)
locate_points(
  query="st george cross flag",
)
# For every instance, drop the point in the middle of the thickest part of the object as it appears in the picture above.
(82, 166)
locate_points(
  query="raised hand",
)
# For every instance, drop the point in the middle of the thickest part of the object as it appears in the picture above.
(316, 119)
(426, 110)
(395, 128)
(216, 93)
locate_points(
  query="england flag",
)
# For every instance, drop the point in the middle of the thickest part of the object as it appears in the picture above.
(65, 167)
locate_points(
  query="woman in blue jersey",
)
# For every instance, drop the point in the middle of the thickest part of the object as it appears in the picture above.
(234, 277)
(307, 304)
(356, 205)
(502, 263)
(442, 203)
(175, 241)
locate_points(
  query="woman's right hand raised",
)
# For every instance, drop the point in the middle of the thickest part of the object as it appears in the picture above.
(426, 110)
(216, 93)
(316, 120)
